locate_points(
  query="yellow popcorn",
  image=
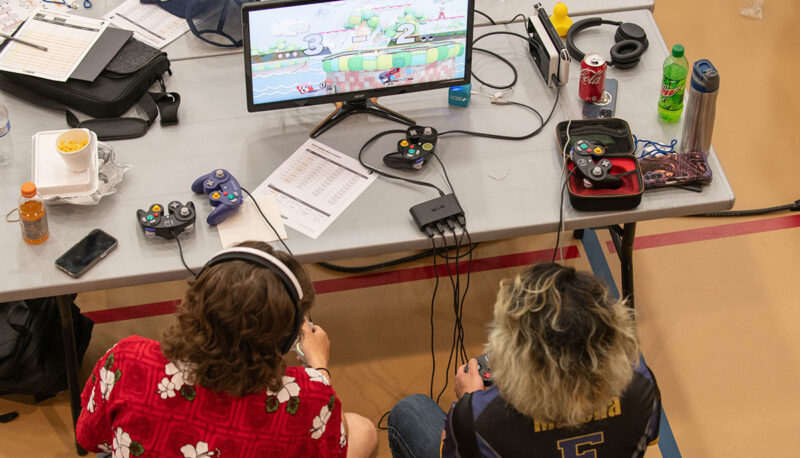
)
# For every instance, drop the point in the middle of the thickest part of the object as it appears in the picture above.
(72, 146)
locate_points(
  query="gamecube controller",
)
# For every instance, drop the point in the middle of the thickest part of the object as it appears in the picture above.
(224, 194)
(413, 151)
(483, 369)
(592, 165)
(167, 223)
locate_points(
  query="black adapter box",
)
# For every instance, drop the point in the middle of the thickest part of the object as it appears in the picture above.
(436, 210)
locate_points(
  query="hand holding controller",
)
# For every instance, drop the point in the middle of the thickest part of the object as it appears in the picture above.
(483, 369)
(224, 194)
(167, 223)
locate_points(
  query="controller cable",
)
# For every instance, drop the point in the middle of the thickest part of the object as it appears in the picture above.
(794, 206)
(267, 220)
(180, 251)
(485, 15)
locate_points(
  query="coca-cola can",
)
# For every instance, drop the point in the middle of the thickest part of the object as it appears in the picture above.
(593, 78)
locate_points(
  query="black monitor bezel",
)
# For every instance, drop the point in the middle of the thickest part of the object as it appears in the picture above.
(333, 98)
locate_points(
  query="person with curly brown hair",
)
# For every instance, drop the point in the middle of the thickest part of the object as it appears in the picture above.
(568, 380)
(217, 385)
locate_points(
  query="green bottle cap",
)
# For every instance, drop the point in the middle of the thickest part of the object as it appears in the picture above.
(677, 51)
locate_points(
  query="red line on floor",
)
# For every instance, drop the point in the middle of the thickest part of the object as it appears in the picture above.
(355, 282)
(133, 311)
(713, 232)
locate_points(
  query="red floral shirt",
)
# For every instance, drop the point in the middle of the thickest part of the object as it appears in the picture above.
(137, 403)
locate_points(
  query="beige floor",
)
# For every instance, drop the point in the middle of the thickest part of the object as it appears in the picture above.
(717, 318)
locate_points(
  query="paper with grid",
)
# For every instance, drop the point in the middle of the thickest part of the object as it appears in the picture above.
(149, 23)
(67, 38)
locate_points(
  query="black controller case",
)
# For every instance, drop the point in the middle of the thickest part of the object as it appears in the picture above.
(615, 135)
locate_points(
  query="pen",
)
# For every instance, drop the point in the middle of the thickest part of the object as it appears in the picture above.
(28, 43)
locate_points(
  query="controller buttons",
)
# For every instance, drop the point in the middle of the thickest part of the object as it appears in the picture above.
(403, 142)
(597, 171)
(231, 198)
(185, 211)
(487, 375)
(598, 150)
(156, 208)
(605, 163)
(412, 151)
(215, 195)
(427, 146)
(150, 217)
(210, 183)
(219, 173)
(225, 193)
(427, 131)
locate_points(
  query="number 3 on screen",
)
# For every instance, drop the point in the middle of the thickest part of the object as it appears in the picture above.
(314, 44)
(569, 447)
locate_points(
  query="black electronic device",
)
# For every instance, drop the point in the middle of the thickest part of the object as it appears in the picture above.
(434, 214)
(414, 150)
(86, 253)
(167, 222)
(606, 106)
(348, 52)
(281, 270)
(592, 166)
(630, 41)
(483, 369)
(546, 48)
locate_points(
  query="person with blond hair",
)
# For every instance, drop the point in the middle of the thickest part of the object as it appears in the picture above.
(568, 380)
(217, 384)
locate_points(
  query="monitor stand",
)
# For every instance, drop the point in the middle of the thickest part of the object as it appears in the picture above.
(345, 109)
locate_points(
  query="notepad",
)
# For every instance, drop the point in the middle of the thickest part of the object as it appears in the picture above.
(68, 39)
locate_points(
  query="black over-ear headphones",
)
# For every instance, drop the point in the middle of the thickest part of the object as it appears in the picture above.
(287, 278)
(631, 41)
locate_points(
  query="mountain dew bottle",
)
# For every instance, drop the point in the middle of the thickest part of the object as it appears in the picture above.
(673, 83)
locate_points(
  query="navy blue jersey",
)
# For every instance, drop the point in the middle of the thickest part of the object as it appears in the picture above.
(484, 424)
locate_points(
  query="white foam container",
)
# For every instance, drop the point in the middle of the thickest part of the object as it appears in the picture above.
(50, 173)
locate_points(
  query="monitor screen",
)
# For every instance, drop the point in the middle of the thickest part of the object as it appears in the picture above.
(302, 52)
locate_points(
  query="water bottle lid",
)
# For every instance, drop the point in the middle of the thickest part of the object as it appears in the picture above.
(28, 189)
(677, 51)
(705, 77)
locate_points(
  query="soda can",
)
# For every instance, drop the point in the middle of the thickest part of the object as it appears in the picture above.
(593, 78)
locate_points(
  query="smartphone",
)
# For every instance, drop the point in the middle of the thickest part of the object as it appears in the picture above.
(86, 253)
(606, 107)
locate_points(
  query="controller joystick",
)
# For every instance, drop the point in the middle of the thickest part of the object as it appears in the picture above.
(224, 194)
(483, 369)
(592, 165)
(413, 151)
(167, 223)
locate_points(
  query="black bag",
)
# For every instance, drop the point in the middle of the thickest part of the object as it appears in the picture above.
(124, 82)
(32, 349)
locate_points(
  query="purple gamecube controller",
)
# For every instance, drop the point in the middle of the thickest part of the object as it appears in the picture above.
(223, 192)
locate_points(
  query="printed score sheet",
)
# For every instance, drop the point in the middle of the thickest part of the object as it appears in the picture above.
(315, 185)
(67, 38)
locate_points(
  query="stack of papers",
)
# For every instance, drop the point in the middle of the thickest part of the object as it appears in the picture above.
(149, 22)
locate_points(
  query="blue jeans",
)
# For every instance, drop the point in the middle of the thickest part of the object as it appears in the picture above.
(415, 427)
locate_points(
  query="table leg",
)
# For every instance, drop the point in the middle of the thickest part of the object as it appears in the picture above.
(71, 358)
(626, 261)
(623, 242)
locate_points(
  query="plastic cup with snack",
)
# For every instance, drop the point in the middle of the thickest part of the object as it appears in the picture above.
(74, 147)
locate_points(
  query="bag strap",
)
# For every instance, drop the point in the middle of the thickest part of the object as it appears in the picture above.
(464, 428)
(152, 103)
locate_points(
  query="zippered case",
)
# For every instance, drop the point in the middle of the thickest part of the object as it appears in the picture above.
(615, 136)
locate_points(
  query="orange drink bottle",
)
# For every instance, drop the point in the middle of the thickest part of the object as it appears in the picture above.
(32, 216)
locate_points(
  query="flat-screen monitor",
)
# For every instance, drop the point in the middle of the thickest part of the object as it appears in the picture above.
(304, 52)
